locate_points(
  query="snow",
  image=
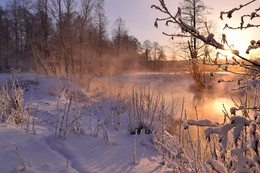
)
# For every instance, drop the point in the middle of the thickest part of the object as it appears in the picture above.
(79, 152)
(201, 123)
(97, 138)
(217, 165)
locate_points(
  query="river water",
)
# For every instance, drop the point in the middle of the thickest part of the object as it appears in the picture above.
(177, 87)
(209, 103)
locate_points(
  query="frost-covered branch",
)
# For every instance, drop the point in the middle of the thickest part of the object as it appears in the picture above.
(241, 26)
(188, 29)
(230, 12)
(252, 16)
(200, 123)
(254, 45)
(176, 35)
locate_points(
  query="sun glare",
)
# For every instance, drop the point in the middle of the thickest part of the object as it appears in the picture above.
(216, 108)
(237, 41)
(225, 53)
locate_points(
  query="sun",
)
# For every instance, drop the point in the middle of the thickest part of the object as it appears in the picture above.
(225, 53)
(238, 41)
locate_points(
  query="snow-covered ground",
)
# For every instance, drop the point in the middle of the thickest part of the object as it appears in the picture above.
(108, 150)
(69, 130)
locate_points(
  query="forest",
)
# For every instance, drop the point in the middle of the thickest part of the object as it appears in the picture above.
(71, 38)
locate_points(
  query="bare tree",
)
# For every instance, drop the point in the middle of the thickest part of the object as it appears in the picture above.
(69, 39)
(4, 39)
(15, 28)
(61, 37)
(85, 23)
(147, 47)
(119, 32)
(194, 13)
(101, 24)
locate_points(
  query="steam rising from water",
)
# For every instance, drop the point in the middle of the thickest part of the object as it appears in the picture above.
(175, 86)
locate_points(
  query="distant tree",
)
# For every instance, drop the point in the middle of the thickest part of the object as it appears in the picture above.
(194, 13)
(155, 51)
(119, 33)
(161, 54)
(4, 39)
(147, 47)
(133, 43)
(101, 23)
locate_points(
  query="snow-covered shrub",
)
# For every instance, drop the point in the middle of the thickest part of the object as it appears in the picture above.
(230, 147)
(69, 118)
(177, 157)
(177, 149)
(97, 124)
(147, 111)
(234, 144)
(113, 110)
(12, 110)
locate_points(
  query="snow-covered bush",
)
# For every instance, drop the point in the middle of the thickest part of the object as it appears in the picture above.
(147, 111)
(12, 110)
(234, 144)
(113, 110)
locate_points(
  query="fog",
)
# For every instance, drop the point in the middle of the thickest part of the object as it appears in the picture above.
(173, 87)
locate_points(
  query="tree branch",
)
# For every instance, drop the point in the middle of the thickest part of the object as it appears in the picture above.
(209, 40)
(230, 12)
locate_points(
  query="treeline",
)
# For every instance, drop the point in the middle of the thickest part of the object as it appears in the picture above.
(69, 38)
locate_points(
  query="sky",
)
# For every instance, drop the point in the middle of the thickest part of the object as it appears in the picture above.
(139, 18)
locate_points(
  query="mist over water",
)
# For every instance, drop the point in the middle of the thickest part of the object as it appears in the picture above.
(176, 87)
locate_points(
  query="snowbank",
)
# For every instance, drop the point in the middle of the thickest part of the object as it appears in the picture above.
(84, 152)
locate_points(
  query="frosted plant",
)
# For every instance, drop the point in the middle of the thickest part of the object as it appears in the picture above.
(70, 119)
(12, 108)
(145, 110)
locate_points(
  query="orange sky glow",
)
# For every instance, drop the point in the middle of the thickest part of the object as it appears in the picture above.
(140, 18)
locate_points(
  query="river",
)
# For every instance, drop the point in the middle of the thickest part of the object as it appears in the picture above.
(209, 103)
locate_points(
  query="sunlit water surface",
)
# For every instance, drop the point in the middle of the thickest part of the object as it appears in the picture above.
(209, 104)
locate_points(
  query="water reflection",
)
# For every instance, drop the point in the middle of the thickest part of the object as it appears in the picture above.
(210, 106)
